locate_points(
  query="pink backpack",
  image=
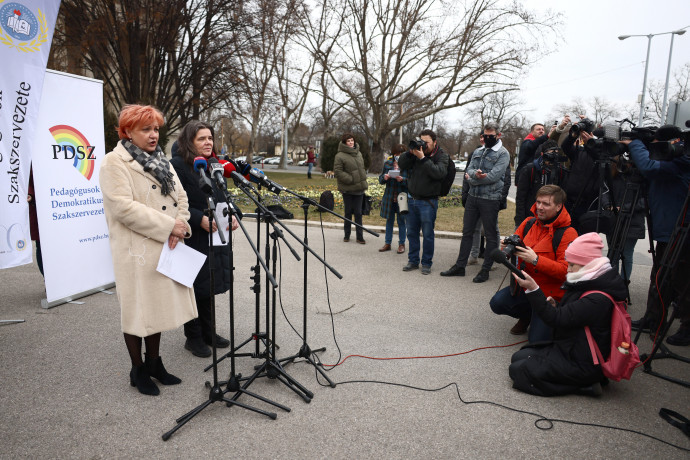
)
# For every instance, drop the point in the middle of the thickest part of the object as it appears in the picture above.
(624, 355)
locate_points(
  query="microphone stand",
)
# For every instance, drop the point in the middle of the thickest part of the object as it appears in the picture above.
(216, 394)
(305, 351)
(270, 368)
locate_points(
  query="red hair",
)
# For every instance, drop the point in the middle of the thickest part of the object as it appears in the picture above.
(133, 115)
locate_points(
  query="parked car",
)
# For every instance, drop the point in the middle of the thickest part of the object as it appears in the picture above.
(276, 161)
(257, 159)
(302, 163)
(241, 158)
(460, 165)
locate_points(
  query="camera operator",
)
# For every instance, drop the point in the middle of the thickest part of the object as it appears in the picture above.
(547, 168)
(426, 166)
(550, 225)
(668, 180)
(486, 171)
(582, 187)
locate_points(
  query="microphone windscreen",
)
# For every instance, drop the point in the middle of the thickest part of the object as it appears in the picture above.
(228, 168)
(498, 256)
(667, 133)
(200, 163)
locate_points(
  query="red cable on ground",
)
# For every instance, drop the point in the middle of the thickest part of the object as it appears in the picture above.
(422, 357)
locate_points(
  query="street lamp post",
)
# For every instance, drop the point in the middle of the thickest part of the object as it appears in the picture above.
(646, 68)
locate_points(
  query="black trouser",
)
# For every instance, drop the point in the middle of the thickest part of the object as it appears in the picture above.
(201, 326)
(353, 205)
(676, 288)
(487, 211)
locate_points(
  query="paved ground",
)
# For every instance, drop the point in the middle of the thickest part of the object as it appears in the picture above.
(65, 390)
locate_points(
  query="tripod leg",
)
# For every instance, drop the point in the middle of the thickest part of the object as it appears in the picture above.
(271, 415)
(320, 371)
(185, 418)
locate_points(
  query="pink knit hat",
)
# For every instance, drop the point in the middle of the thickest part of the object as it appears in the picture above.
(584, 249)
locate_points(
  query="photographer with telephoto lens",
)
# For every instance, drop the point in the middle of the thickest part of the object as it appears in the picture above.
(549, 229)
(666, 167)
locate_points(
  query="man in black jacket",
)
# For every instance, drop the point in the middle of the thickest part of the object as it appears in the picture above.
(426, 169)
(537, 136)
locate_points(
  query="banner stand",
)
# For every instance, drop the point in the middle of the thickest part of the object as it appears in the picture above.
(54, 303)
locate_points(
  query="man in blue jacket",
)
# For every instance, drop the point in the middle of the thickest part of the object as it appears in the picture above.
(669, 181)
(486, 171)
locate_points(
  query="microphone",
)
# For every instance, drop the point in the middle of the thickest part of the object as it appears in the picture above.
(216, 171)
(240, 166)
(500, 257)
(200, 165)
(229, 170)
(257, 176)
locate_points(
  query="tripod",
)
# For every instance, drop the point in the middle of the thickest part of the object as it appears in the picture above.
(216, 394)
(677, 247)
(305, 351)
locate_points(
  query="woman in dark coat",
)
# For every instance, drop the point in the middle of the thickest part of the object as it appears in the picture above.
(196, 139)
(351, 175)
(565, 365)
(389, 202)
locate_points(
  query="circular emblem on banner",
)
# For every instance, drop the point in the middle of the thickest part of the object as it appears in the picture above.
(21, 244)
(21, 29)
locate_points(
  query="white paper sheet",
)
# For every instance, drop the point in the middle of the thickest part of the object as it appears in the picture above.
(223, 223)
(181, 264)
(393, 173)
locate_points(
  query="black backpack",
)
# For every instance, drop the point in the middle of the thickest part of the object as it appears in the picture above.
(557, 234)
(450, 177)
(327, 201)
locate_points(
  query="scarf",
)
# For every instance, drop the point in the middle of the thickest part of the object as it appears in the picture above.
(591, 271)
(155, 164)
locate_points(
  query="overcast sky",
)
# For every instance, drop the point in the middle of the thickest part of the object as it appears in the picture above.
(591, 61)
(588, 59)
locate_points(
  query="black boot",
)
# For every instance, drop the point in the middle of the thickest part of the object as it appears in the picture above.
(158, 372)
(308, 175)
(198, 348)
(139, 377)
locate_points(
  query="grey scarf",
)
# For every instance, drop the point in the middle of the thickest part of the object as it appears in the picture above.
(155, 164)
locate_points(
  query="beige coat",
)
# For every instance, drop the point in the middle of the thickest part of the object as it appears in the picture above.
(140, 220)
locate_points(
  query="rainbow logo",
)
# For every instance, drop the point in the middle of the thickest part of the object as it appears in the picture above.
(75, 144)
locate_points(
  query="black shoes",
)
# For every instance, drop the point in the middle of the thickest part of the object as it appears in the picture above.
(593, 390)
(139, 377)
(221, 342)
(158, 372)
(520, 327)
(454, 271)
(410, 266)
(482, 276)
(680, 338)
(197, 347)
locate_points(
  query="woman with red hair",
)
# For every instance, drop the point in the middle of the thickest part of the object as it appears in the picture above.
(145, 208)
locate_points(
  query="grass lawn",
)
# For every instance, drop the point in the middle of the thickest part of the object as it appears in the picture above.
(449, 217)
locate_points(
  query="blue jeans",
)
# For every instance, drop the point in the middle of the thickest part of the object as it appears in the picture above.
(627, 262)
(309, 167)
(390, 222)
(421, 216)
(503, 303)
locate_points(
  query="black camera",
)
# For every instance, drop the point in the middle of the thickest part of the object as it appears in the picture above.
(585, 125)
(416, 144)
(511, 243)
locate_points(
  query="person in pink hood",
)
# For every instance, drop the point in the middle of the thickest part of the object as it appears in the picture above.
(564, 365)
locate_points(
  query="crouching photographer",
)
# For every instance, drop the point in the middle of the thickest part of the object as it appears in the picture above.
(665, 165)
(545, 237)
(565, 365)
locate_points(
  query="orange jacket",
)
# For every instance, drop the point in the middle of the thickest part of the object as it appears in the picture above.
(550, 271)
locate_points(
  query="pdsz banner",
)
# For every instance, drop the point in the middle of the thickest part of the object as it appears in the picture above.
(26, 32)
(67, 154)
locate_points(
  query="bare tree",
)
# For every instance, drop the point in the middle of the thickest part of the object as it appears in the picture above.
(419, 55)
(169, 53)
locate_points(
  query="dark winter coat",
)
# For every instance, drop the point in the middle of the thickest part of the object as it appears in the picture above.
(636, 230)
(199, 239)
(668, 188)
(531, 179)
(528, 148)
(389, 201)
(565, 364)
(582, 187)
(425, 176)
(349, 170)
